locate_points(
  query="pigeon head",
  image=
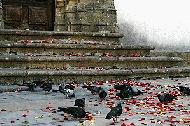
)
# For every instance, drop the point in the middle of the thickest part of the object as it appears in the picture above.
(119, 104)
(158, 95)
(181, 87)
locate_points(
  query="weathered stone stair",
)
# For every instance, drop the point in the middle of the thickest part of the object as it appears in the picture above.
(86, 62)
(78, 56)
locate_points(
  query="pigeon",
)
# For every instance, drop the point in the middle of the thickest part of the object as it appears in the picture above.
(121, 87)
(93, 89)
(124, 94)
(36, 85)
(69, 93)
(69, 86)
(102, 95)
(128, 92)
(67, 90)
(80, 102)
(38, 82)
(115, 112)
(76, 112)
(166, 98)
(47, 87)
(61, 89)
(136, 92)
(184, 90)
(31, 86)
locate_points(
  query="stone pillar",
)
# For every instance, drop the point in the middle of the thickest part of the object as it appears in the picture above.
(86, 16)
(59, 17)
(97, 16)
(1, 16)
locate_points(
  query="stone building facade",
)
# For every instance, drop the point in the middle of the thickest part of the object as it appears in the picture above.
(1, 16)
(70, 15)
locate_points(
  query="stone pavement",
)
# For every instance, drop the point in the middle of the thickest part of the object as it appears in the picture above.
(36, 108)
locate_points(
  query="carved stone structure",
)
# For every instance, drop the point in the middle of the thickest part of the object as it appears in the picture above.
(74, 40)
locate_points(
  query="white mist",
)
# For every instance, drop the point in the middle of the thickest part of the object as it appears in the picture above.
(166, 22)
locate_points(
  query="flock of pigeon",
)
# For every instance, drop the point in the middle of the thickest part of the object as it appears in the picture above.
(122, 92)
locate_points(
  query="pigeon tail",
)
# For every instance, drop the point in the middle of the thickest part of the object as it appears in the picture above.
(108, 116)
(62, 109)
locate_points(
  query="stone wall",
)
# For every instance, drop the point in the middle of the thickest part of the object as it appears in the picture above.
(86, 15)
(1, 16)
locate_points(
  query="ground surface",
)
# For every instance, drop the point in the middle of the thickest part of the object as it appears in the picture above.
(35, 108)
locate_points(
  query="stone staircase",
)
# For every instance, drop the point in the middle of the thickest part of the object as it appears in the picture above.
(61, 56)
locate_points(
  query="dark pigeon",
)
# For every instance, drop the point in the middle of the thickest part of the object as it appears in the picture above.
(124, 94)
(115, 112)
(80, 102)
(69, 86)
(121, 87)
(166, 98)
(136, 92)
(39, 83)
(184, 90)
(61, 89)
(128, 92)
(47, 87)
(76, 112)
(102, 95)
(67, 90)
(93, 89)
(31, 86)
(69, 93)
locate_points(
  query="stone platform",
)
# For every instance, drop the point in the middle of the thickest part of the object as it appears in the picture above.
(79, 56)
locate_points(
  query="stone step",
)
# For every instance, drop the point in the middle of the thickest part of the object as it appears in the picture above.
(64, 46)
(15, 35)
(20, 75)
(66, 62)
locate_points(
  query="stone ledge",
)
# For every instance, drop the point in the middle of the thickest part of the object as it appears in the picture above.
(34, 72)
(86, 58)
(73, 46)
(89, 9)
(58, 33)
(90, 72)
(165, 70)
